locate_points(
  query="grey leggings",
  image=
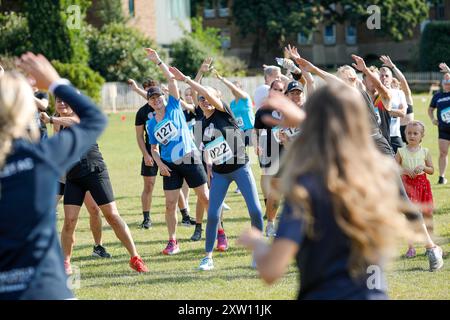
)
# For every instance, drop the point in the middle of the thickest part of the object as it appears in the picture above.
(219, 187)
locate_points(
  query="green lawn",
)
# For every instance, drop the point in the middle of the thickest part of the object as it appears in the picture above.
(176, 277)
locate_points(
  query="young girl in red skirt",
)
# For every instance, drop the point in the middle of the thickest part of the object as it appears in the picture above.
(416, 164)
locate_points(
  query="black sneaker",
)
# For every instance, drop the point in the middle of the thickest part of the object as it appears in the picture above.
(442, 180)
(146, 224)
(100, 251)
(187, 221)
(197, 233)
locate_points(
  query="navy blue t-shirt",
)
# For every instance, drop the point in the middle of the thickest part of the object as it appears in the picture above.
(323, 260)
(31, 262)
(441, 102)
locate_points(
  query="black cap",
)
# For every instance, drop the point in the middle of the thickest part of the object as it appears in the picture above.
(154, 90)
(294, 85)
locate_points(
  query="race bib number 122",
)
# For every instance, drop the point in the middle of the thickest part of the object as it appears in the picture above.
(445, 115)
(219, 151)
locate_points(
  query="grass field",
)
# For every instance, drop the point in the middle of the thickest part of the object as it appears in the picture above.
(176, 277)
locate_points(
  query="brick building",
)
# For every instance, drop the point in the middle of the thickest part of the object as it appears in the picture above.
(161, 20)
(329, 46)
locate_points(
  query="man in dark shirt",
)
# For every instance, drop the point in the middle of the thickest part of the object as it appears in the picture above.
(149, 169)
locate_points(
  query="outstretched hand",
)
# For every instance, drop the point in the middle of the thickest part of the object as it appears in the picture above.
(206, 65)
(292, 117)
(39, 68)
(303, 64)
(177, 74)
(387, 62)
(292, 52)
(444, 67)
(216, 73)
(132, 84)
(152, 55)
(359, 64)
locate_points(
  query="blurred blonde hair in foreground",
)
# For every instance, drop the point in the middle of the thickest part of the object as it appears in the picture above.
(17, 109)
(336, 145)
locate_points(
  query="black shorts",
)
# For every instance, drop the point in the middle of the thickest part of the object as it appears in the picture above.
(396, 142)
(149, 171)
(97, 183)
(444, 134)
(62, 187)
(194, 174)
(402, 132)
(247, 137)
(410, 109)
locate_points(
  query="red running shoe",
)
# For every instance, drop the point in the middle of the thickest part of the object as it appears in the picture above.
(222, 242)
(136, 263)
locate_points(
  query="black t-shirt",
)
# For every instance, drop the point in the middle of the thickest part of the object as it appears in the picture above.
(223, 141)
(144, 113)
(197, 127)
(198, 115)
(92, 161)
(267, 138)
(323, 258)
(441, 102)
(42, 126)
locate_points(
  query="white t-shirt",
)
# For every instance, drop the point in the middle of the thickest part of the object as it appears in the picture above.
(261, 94)
(398, 98)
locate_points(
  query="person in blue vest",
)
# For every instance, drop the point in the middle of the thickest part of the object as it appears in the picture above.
(173, 150)
(31, 262)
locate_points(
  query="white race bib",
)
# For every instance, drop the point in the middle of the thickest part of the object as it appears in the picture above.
(276, 134)
(219, 151)
(165, 131)
(445, 115)
(291, 132)
(377, 114)
(240, 122)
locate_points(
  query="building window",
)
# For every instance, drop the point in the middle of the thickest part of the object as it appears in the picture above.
(208, 9)
(179, 9)
(225, 38)
(224, 11)
(440, 11)
(303, 39)
(329, 35)
(350, 34)
(131, 7)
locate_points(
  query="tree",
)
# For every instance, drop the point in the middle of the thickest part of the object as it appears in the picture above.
(51, 35)
(82, 77)
(117, 53)
(14, 34)
(103, 12)
(434, 45)
(189, 52)
(273, 20)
